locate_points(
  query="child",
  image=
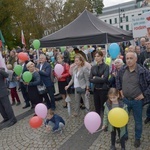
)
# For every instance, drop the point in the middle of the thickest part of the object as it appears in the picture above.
(112, 102)
(11, 83)
(54, 122)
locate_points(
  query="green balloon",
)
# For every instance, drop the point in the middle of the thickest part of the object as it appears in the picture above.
(27, 76)
(85, 47)
(63, 49)
(36, 44)
(18, 70)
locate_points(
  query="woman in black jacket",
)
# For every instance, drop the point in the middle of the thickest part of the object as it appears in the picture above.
(99, 77)
(32, 90)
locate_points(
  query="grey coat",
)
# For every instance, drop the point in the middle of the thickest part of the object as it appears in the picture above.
(83, 77)
(3, 88)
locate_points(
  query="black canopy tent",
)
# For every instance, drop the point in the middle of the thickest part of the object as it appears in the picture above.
(86, 29)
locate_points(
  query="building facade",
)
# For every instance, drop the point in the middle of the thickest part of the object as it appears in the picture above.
(121, 15)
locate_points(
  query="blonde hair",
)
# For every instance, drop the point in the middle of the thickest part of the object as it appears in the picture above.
(30, 63)
(81, 58)
(60, 56)
(9, 67)
(51, 112)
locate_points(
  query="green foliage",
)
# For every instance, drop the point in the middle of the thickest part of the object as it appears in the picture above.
(36, 16)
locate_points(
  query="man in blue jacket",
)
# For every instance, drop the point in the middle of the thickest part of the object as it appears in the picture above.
(133, 81)
(44, 69)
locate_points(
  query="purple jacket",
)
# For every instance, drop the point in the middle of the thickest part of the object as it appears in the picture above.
(144, 81)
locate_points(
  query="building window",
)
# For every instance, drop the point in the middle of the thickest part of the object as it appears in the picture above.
(105, 20)
(127, 19)
(121, 27)
(127, 27)
(139, 14)
(120, 19)
(110, 21)
(115, 20)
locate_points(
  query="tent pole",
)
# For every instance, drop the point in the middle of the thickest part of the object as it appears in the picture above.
(38, 56)
(106, 48)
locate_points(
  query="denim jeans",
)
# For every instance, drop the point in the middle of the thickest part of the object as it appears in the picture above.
(50, 123)
(148, 111)
(136, 107)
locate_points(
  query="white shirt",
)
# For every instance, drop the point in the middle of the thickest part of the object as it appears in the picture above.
(76, 81)
(41, 65)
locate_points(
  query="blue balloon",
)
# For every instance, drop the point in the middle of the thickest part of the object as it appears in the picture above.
(114, 50)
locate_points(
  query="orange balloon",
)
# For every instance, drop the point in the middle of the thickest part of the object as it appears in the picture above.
(23, 56)
(35, 122)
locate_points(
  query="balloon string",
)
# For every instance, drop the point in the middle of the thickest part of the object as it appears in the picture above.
(99, 130)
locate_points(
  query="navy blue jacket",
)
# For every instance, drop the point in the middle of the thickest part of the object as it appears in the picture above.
(56, 119)
(45, 74)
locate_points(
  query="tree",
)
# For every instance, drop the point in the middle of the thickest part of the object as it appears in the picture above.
(72, 8)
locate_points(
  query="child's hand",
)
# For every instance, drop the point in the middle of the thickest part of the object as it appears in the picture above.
(48, 128)
(104, 127)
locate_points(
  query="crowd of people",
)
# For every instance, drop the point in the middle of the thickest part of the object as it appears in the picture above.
(122, 82)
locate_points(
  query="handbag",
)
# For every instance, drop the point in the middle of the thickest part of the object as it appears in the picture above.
(41, 89)
(79, 90)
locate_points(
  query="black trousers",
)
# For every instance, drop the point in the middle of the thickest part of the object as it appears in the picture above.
(24, 93)
(113, 138)
(100, 97)
(6, 109)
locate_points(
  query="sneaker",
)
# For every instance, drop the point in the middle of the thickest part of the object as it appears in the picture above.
(13, 103)
(18, 103)
(137, 143)
(147, 120)
(112, 147)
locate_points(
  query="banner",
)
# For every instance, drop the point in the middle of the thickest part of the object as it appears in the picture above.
(139, 26)
(22, 38)
(147, 20)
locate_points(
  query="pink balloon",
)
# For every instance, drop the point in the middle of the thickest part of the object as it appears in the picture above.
(59, 69)
(92, 122)
(41, 110)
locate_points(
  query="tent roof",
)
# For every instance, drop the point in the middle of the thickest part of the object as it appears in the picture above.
(85, 29)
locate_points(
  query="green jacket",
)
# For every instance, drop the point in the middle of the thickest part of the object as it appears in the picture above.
(107, 108)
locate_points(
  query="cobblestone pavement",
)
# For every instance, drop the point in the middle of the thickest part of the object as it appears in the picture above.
(75, 136)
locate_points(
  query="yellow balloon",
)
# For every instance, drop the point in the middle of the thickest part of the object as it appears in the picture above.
(118, 117)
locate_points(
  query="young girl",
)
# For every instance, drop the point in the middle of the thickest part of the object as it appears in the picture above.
(12, 84)
(54, 122)
(112, 102)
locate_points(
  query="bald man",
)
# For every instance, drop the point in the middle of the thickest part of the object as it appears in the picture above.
(133, 82)
(142, 44)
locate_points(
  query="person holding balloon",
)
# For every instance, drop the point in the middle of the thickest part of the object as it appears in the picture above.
(112, 103)
(62, 78)
(23, 60)
(32, 84)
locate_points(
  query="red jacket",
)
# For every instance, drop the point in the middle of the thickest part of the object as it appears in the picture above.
(65, 74)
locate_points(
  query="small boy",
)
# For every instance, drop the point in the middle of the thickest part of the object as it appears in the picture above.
(54, 122)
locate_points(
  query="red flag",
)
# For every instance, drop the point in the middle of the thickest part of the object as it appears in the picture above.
(22, 38)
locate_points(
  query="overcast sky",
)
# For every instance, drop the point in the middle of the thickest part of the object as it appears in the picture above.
(113, 2)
